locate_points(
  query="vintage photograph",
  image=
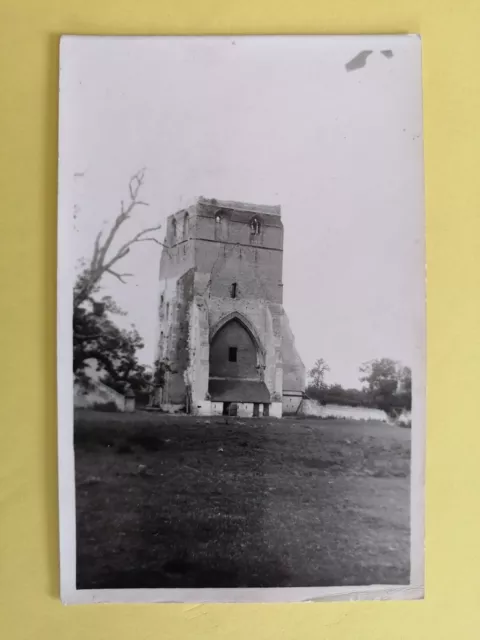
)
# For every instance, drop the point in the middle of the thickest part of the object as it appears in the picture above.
(241, 318)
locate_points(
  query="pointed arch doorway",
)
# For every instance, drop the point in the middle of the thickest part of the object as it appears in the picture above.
(236, 367)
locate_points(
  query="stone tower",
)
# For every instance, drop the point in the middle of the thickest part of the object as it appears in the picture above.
(222, 325)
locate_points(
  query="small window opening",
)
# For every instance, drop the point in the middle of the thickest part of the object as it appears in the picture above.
(185, 227)
(218, 218)
(232, 354)
(174, 231)
(233, 291)
(255, 226)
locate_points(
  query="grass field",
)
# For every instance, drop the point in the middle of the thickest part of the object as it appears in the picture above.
(167, 501)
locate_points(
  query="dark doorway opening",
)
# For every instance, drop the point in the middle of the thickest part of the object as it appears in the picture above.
(256, 410)
(232, 354)
(230, 409)
(266, 409)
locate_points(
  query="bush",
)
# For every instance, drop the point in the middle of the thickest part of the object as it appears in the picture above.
(335, 394)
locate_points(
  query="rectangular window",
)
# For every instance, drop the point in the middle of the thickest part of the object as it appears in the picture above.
(234, 290)
(232, 354)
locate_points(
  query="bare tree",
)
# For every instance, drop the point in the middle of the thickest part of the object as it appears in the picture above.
(104, 259)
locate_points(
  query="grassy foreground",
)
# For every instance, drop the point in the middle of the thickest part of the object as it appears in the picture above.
(167, 501)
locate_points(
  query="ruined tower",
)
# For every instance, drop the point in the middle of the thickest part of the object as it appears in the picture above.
(222, 325)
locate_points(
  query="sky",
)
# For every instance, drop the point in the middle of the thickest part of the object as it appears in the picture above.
(271, 121)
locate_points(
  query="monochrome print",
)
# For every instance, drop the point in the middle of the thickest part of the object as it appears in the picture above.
(241, 249)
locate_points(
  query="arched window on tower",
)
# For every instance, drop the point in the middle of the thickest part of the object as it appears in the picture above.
(186, 230)
(255, 226)
(174, 231)
(218, 218)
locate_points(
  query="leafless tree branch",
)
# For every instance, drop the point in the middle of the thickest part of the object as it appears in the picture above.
(125, 248)
(151, 240)
(120, 276)
(102, 260)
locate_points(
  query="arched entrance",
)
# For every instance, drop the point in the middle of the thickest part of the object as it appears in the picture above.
(233, 353)
(236, 367)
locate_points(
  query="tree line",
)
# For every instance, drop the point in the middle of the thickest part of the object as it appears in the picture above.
(386, 385)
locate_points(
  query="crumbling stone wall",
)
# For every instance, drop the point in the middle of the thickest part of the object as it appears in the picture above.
(178, 338)
(294, 374)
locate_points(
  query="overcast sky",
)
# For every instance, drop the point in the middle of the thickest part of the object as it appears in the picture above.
(271, 121)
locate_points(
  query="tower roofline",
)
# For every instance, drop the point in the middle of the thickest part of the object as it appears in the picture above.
(241, 206)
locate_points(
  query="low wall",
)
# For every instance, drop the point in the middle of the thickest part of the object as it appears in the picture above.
(315, 409)
(291, 404)
(97, 393)
(172, 408)
(404, 419)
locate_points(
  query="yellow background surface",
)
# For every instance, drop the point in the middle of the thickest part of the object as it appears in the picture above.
(29, 584)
